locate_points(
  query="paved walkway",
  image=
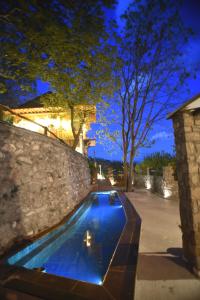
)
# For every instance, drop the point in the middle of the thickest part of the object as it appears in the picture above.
(161, 273)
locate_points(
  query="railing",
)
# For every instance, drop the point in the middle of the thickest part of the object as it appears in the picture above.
(46, 130)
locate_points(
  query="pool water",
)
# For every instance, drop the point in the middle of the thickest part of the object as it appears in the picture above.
(82, 248)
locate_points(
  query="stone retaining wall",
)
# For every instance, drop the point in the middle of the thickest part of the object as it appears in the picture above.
(41, 180)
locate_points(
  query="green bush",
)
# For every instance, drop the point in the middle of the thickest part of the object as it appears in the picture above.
(155, 162)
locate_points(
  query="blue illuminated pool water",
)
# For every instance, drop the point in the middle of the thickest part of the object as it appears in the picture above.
(82, 248)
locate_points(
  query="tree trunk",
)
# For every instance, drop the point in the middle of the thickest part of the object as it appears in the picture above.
(76, 140)
(130, 179)
(76, 135)
(131, 172)
(125, 175)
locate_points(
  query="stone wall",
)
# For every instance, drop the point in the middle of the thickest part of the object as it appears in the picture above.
(158, 185)
(187, 138)
(41, 180)
(170, 183)
(166, 185)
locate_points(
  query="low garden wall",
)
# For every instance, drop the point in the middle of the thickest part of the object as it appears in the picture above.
(41, 180)
(166, 185)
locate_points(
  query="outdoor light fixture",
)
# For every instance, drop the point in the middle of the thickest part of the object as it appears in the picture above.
(167, 192)
(112, 181)
(100, 175)
(148, 184)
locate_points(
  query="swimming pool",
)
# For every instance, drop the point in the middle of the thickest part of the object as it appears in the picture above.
(83, 247)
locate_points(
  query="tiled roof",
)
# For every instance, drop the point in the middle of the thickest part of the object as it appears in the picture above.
(34, 103)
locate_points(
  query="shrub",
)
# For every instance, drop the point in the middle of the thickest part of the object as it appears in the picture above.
(155, 162)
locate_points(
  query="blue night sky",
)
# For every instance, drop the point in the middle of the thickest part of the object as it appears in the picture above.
(162, 133)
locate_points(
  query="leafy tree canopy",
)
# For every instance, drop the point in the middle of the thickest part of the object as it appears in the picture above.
(65, 43)
(62, 42)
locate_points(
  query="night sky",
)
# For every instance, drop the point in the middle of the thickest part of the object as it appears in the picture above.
(162, 132)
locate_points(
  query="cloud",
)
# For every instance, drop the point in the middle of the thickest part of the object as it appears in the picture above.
(162, 135)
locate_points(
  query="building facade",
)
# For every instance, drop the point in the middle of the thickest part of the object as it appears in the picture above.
(56, 120)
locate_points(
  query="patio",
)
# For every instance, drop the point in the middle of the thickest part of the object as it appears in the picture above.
(161, 272)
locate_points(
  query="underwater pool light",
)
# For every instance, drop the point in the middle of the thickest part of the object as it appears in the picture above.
(88, 238)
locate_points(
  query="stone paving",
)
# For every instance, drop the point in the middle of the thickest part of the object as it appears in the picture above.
(162, 274)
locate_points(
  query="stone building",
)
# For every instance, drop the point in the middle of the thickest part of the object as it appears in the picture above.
(186, 122)
(55, 119)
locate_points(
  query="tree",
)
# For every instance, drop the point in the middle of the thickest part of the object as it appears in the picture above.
(152, 72)
(65, 43)
(89, 84)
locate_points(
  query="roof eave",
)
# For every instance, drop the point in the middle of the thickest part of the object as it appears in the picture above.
(170, 115)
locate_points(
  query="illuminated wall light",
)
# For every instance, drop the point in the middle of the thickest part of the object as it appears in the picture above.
(148, 183)
(167, 192)
(100, 176)
(112, 181)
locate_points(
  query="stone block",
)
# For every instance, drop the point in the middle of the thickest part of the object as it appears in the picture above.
(195, 179)
(188, 121)
(193, 168)
(190, 147)
(197, 121)
(195, 193)
(8, 147)
(191, 158)
(192, 137)
(24, 159)
(188, 129)
(8, 235)
(2, 155)
(195, 207)
(196, 129)
(197, 147)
